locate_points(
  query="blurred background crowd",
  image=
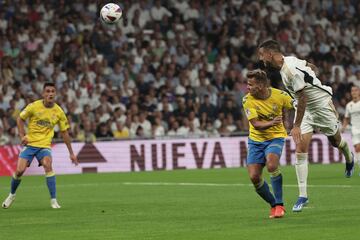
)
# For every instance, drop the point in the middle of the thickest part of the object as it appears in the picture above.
(168, 68)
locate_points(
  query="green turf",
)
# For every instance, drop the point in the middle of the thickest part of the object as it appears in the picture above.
(101, 206)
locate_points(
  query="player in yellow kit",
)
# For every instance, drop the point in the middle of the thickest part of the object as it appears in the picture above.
(43, 115)
(263, 107)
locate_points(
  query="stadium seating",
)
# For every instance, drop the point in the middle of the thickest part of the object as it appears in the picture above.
(175, 72)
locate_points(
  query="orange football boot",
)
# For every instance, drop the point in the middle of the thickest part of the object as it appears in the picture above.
(279, 211)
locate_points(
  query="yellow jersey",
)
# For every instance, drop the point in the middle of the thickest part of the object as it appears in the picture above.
(267, 110)
(42, 121)
(124, 133)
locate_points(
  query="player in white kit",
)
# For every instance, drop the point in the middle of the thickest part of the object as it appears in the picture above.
(352, 116)
(315, 111)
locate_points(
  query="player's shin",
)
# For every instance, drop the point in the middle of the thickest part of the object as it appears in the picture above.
(301, 167)
(276, 183)
(51, 184)
(344, 148)
(15, 182)
(262, 188)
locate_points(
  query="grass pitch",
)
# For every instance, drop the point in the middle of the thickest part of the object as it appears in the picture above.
(183, 204)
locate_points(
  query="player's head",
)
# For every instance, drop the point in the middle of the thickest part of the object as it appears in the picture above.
(257, 83)
(355, 92)
(49, 93)
(268, 51)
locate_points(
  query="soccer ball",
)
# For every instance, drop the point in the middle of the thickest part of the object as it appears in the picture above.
(110, 13)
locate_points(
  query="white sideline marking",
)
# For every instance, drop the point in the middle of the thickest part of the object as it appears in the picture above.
(227, 185)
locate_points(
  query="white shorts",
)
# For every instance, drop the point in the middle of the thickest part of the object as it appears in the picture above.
(355, 138)
(324, 120)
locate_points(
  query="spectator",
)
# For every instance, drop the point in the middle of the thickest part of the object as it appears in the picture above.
(157, 12)
(158, 129)
(209, 108)
(4, 139)
(174, 130)
(184, 129)
(145, 124)
(121, 131)
(103, 131)
(355, 80)
(85, 134)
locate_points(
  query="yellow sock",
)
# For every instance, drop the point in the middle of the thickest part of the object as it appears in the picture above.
(16, 177)
(275, 173)
(50, 174)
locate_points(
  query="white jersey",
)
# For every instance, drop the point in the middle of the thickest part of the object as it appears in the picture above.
(297, 76)
(352, 111)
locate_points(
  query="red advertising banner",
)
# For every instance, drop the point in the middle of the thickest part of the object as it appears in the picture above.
(8, 159)
(168, 154)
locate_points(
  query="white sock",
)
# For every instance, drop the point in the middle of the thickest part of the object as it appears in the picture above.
(301, 167)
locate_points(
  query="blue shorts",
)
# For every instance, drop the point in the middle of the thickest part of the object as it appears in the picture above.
(29, 152)
(257, 151)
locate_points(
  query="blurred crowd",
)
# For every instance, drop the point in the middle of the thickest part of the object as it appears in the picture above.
(167, 68)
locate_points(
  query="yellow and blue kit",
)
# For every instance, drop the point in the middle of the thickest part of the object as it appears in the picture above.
(42, 121)
(262, 142)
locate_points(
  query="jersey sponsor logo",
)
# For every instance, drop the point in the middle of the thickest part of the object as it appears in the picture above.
(44, 123)
(266, 117)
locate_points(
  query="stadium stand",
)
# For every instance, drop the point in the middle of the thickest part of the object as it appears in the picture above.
(172, 67)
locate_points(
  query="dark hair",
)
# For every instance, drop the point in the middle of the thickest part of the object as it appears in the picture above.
(259, 75)
(49, 84)
(271, 45)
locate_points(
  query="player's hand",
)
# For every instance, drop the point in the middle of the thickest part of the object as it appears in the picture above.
(74, 159)
(24, 140)
(296, 134)
(277, 120)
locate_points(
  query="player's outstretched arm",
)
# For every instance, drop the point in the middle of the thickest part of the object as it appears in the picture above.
(300, 111)
(21, 129)
(67, 140)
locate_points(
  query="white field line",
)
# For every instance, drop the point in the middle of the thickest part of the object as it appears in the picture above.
(228, 184)
(186, 184)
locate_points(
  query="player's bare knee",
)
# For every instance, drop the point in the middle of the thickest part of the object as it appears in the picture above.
(271, 167)
(255, 178)
(20, 171)
(47, 167)
(301, 149)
